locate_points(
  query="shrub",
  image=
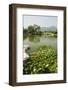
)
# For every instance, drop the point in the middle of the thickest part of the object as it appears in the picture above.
(43, 60)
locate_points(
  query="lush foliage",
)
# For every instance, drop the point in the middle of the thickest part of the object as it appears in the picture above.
(32, 30)
(43, 60)
(36, 30)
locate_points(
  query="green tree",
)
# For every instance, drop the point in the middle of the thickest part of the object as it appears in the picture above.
(33, 29)
(30, 29)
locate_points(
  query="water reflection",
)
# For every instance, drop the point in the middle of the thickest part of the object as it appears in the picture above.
(34, 41)
(32, 38)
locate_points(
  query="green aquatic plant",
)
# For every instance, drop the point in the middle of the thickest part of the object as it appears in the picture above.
(43, 60)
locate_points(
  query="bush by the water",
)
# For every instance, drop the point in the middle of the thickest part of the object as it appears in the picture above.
(43, 60)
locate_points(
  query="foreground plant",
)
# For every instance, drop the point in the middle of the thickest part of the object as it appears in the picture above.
(43, 60)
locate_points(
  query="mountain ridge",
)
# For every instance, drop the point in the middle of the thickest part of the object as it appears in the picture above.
(51, 28)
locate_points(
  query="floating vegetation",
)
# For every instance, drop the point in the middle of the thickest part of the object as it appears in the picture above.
(43, 60)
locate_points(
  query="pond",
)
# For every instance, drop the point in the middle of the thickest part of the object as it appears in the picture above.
(34, 41)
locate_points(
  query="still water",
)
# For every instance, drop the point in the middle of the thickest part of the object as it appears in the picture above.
(35, 41)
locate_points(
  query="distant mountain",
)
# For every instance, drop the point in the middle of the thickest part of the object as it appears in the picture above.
(52, 28)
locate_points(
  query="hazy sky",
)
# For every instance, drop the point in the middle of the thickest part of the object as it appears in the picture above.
(43, 21)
